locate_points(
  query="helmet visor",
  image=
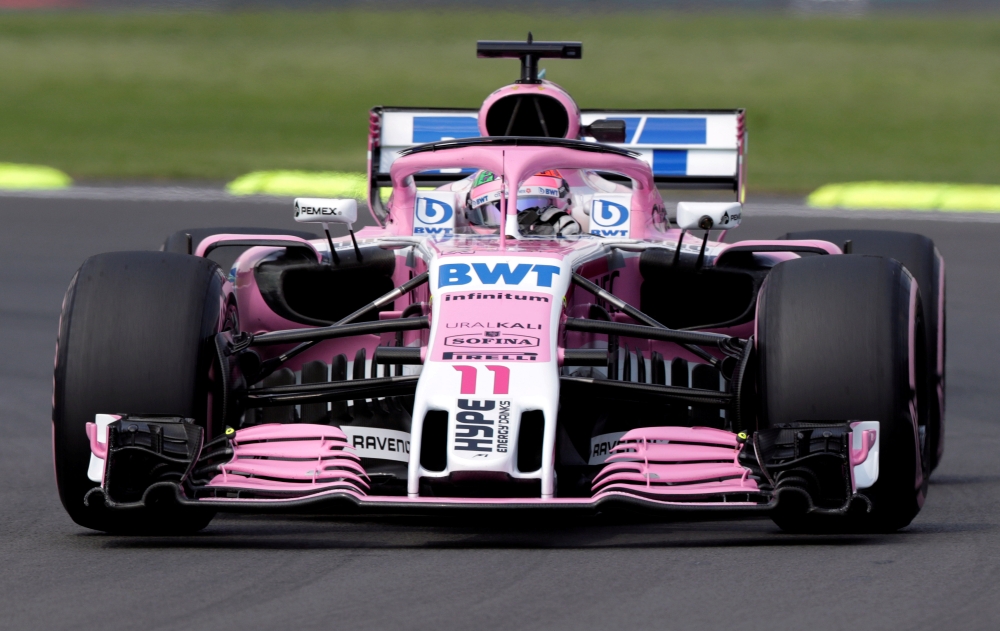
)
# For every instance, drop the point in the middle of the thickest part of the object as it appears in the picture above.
(526, 203)
(485, 215)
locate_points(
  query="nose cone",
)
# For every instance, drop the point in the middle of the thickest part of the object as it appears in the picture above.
(530, 109)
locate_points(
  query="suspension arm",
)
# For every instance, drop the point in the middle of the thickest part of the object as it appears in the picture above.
(333, 391)
(341, 330)
(613, 389)
(645, 332)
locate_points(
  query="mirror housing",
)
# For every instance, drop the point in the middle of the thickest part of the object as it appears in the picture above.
(321, 210)
(709, 215)
(605, 130)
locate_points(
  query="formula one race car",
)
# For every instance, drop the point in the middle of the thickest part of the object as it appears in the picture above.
(527, 327)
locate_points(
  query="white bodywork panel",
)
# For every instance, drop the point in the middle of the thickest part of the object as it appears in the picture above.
(492, 354)
(96, 469)
(865, 473)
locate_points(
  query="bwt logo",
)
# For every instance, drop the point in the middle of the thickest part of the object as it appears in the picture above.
(461, 274)
(433, 216)
(539, 190)
(605, 215)
(433, 211)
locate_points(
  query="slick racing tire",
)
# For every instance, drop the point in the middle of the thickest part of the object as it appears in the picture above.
(135, 336)
(840, 338)
(918, 255)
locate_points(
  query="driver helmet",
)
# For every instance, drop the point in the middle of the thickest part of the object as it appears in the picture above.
(539, 192)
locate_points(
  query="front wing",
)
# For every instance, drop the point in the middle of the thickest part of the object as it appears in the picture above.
(292, 468)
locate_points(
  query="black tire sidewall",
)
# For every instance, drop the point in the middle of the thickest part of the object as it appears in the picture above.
(921, 258)
(834, 345)
(135, 336)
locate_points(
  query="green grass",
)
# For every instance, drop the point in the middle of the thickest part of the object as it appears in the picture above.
(212, 96)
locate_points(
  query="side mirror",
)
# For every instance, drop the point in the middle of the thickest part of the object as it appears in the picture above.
(327, 211)
(606, 130)
(319, 210)
(709, 215)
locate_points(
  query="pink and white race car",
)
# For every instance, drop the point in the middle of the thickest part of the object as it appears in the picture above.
(527, 326)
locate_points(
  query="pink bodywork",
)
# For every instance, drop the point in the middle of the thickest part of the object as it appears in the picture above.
(533, 313)
(210, 241)
(544, 88)
(669, 461)
(298, 459)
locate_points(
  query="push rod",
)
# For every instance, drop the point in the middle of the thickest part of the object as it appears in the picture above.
(332, 391)
(341, 330)
(640, 331)
(585, 357)
(613, 389)
(398, 355)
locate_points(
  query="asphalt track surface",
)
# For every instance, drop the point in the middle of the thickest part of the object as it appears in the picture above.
(427, 573)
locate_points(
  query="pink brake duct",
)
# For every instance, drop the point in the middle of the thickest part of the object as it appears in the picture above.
(300, 459)
(665, 461)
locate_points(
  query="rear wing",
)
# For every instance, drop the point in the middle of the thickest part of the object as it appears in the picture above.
(393, 129)
(694, 149)
(689, 149)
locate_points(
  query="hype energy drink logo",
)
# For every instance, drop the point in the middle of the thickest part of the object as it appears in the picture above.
(610, 215)
(434, 213)
(482, 427)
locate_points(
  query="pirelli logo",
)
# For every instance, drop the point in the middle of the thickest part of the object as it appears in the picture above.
(499, 357)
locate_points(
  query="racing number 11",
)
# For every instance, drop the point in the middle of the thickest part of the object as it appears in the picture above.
(501, 378)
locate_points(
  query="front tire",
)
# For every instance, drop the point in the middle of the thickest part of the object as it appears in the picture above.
(839, 339)
(135, 336)
(921, 258)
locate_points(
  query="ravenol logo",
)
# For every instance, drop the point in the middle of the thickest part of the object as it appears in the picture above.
(433, 215)
(606, 217)
(461, 274)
